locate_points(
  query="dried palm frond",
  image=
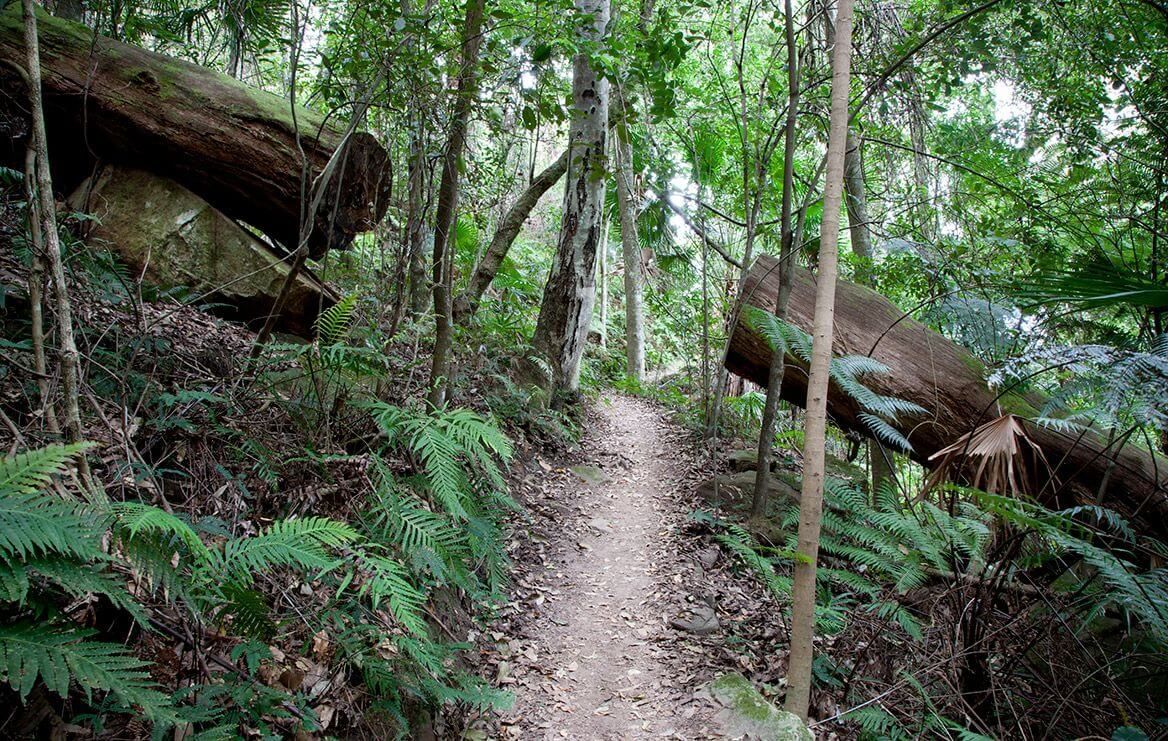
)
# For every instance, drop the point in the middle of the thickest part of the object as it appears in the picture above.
(995, 457)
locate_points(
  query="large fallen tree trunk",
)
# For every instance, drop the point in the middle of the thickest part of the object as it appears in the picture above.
(949, 382)
(238, 148)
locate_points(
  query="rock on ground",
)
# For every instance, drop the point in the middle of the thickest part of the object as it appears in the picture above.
(171, 238)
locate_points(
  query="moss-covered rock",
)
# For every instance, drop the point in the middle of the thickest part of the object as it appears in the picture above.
(173, 239)
(745, 712)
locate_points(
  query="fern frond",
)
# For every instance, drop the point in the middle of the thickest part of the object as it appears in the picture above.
(31, 471)
(136, 519)
(387, 580)
(297, 543)
(247, 611)
(885, 433)
(80, 579)
(62, 656)
(33, 524)
(333, 323)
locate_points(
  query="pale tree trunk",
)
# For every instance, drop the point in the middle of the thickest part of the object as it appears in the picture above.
(786, 272)
(505, 234)
(859, 231)
(634, 283)
(36, 288)
(815, 431)
(416, 215)
(566, 311)
(602, 277)
(443, 257)
(46, 209)
(916, 127)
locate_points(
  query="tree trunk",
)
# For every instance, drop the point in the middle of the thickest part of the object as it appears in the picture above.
(858, 222)
(815, 432)
(566, 311)
(634, 284)
(506, 232)
(236, 147)
(883, 472)
(444, 221)
(416, 216)
(947, 380)
(788, 240)
(602, 278)
(46, 211)
(36, 286)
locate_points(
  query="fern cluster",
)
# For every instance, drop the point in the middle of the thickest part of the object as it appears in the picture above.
(880, 413)
(870, 551)
(1095, 385)
(54, 549)
(50, 548)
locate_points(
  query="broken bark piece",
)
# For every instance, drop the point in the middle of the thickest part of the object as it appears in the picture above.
(171, 238)
(949, 382)
(237, 147)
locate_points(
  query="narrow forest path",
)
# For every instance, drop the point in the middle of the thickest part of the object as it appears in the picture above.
(594, 658)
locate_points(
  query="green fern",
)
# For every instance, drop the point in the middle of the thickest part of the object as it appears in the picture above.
(333, 323)
(302, 544)
(33, 525)
(448, 444)
(32, 471)
(62, 657)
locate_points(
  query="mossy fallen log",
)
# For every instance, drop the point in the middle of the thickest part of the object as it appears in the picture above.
(238, 148)
(949, 382)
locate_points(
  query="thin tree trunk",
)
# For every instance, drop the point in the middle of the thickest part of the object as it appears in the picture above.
(924, 209)
(880, 460)
(505, 233)
(815, 432)
(47, 212)
(602, 277)
(416, 215)
(36, 288)
(566, 311)
(634, 284)
(786, 273)
(859, 231)
(443, 258)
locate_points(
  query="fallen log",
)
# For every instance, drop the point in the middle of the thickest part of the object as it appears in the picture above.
(949, 382)
(236, 147)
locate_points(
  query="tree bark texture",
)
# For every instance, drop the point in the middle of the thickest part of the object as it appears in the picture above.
(447, 213)
(803, 590)
(634, 282)
(859, 231)
(506, 232)
(566, 311)
(46, 212)
(236, 147)
(950, 382)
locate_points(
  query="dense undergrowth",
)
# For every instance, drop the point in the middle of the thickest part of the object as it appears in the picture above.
(262, 545)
